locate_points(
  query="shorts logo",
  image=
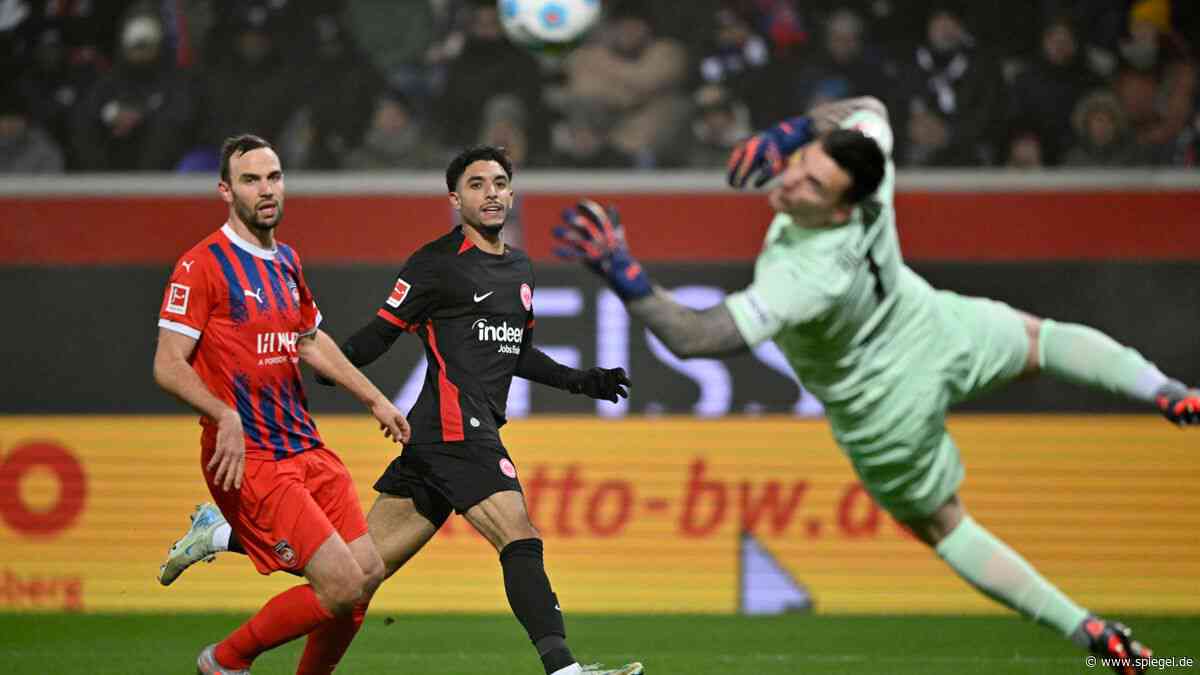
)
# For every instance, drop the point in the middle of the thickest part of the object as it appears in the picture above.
(398, 293)
(527, 297)
(177, 299)
(507, 468)
(283, 551)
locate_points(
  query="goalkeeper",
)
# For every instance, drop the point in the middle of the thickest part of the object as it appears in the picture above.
(885, 352)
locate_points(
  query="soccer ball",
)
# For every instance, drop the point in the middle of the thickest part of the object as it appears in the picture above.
(548, 25)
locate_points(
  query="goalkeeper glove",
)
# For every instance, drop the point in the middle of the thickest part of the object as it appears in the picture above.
(766, 153)
(594, 235)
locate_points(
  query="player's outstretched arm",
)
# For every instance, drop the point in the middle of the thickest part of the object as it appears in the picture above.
(319, 350)
(765, 154)
(599, 383)
(594, 236)
(173, 373)
(688, 332)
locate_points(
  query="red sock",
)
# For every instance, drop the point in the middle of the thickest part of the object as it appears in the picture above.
(284, 618)
(328, 643)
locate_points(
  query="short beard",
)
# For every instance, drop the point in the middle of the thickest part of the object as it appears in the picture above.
(249, 216)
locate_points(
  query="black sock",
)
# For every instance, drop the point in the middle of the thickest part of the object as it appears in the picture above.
(235, 544)
(533, 603)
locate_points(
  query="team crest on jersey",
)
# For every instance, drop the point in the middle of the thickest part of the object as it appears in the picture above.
(177, 298)
(507, 468)
(295, 290)
(283, 551)
(398, 293)
(526, 296)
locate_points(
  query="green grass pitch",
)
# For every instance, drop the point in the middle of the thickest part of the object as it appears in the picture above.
(41, 644)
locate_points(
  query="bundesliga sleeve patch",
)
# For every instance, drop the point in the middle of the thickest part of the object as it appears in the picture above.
(398, 293)
(177, 299)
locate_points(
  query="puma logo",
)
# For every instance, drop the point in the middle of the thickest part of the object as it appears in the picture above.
(257, 294)
(187, 264)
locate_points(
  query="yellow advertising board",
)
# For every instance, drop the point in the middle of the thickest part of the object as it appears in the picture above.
(639, 515)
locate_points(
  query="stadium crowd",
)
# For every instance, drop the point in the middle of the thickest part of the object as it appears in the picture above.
(127, 85)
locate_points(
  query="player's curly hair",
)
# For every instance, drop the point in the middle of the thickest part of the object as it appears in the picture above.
(860, 156)
(239, 145)
(476, 153)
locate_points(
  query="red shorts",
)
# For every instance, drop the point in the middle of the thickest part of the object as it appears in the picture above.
(287, 508)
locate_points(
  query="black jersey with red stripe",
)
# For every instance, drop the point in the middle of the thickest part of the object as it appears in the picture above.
(474, 312)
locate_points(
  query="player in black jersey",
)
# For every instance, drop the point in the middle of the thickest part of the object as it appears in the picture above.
(469, 297)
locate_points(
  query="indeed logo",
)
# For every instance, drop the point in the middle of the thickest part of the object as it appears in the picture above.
(271, 343)
(508, 336)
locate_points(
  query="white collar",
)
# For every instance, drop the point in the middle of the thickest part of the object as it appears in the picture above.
(252, 249)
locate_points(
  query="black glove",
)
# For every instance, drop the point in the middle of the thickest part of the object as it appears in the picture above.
(600, 383)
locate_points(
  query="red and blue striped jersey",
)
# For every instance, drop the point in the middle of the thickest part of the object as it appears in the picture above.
(247, 306)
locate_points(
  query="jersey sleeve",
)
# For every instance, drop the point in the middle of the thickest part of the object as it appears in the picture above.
(414, 294)
(784, 293)
(189, 299)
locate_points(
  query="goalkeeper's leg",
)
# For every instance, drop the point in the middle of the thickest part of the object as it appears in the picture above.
(1000, 573)
(1086, 356)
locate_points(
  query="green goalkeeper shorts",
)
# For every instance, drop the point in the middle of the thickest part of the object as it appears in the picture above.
(901, 450)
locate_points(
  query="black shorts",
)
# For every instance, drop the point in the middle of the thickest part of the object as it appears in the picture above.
(443, 476)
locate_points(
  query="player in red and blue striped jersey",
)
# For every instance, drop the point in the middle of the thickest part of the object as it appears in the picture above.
(236, 320)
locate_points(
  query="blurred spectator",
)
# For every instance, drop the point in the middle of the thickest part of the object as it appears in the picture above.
(348, 87)
(1045, 94)
(249, 88)
(291, 24)
(634, 78)
(894, 25)
(1156, 84)
(581, 140)
(24, 148)
(132, 118)
(739, 59)
(88, 30)
(488, 65)
(395, 139)
(958, 87)
(394, 33)
(1103, 135)
(1099, 25)
(783, 22)
(720, 123)
(1024, 151)
(931, 141)
(53, 87)
(506, 124)
(843, 68)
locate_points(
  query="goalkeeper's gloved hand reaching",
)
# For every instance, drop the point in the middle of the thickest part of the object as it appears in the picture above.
(765, 154)
(593, 235)
(605, 384)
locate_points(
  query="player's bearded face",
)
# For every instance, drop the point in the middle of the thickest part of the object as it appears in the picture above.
(256, 188)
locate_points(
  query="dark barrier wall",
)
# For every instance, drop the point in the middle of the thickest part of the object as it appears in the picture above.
(82, 339)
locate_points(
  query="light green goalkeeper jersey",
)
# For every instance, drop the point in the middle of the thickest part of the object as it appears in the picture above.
(862, 331)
